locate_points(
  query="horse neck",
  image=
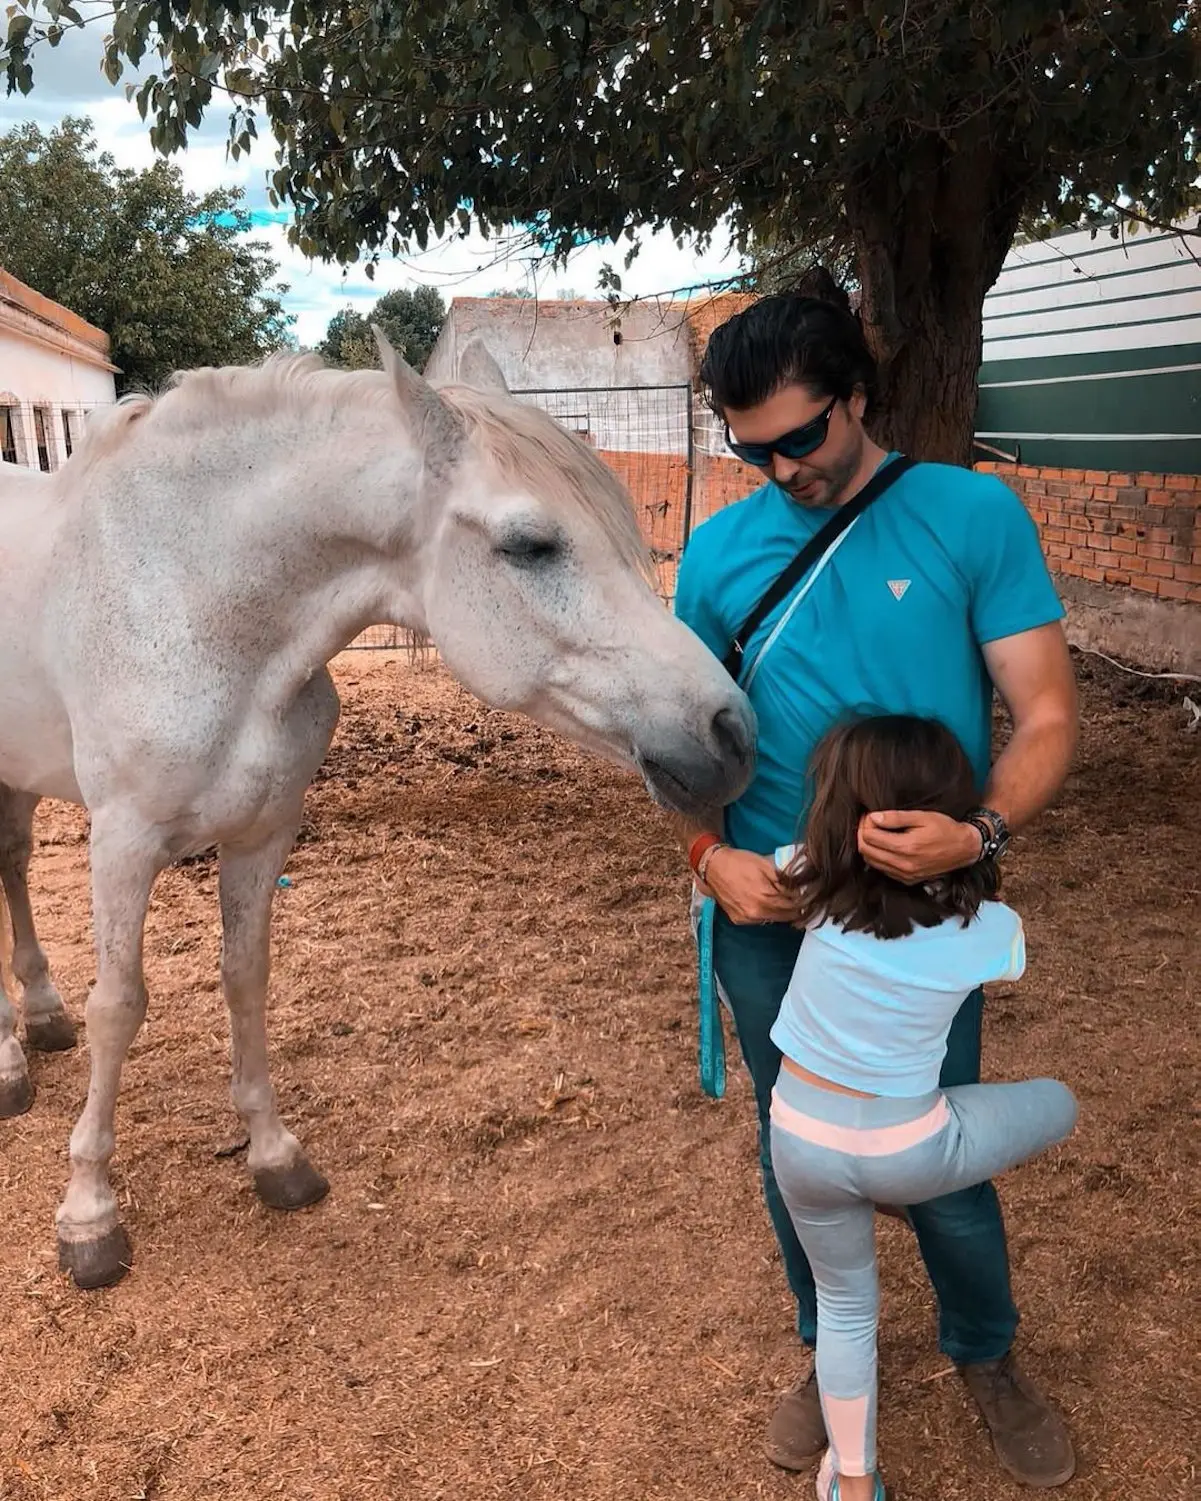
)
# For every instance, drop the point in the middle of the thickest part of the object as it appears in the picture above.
(311, 521)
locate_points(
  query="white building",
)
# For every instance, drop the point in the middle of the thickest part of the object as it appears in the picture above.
(54, 368)
(623, 378)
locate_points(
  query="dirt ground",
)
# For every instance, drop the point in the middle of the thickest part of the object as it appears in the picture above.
(544, 1269)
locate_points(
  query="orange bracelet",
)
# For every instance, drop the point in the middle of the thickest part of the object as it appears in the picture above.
(698, 849)
(703, 864)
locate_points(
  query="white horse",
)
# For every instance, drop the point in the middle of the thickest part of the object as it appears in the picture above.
(168, 601)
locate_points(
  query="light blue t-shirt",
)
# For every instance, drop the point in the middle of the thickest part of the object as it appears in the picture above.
(873, 1013)
(944, 562)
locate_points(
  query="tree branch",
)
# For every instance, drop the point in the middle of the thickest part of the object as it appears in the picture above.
(1151, 222)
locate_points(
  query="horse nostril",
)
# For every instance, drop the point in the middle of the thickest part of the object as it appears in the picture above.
(733, 737)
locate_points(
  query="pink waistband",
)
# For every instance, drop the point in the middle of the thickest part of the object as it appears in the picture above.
(859, 1141)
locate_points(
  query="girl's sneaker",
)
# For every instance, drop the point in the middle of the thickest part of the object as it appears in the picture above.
(827, 1481)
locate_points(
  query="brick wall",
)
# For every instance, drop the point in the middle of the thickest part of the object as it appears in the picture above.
(1137, 532)
(720, 482)
(658, 483)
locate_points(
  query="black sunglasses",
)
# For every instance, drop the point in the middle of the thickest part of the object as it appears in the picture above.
(798, 444)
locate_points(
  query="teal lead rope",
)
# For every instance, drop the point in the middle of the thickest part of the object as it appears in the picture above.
(712, 1043)
(712, 1040)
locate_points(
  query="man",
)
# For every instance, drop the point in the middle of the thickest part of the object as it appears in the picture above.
(934, 597)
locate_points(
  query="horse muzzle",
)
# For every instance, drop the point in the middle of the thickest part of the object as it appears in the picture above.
(694, 776)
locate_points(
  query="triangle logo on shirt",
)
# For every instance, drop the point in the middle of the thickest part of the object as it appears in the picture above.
(898, 587)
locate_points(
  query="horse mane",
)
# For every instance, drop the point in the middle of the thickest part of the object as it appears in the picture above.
(192, 399)
(525, 444)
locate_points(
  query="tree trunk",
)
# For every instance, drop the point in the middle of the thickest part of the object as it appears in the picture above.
(928, 250)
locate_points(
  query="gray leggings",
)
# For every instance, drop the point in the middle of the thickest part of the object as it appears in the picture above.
(836, 1156)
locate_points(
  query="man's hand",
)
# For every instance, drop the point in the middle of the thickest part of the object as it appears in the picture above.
(915, 847)
(747, 887)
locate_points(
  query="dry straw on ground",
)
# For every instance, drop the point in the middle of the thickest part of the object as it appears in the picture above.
(544, 1270)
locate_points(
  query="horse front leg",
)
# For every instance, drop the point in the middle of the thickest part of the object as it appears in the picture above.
(48, 1028)
(126, 858)
(283, 1176)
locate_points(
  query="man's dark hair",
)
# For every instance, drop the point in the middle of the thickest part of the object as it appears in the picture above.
(873, 765)
(782, 340)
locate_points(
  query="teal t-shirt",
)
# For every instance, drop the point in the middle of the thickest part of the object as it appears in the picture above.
(944, 562)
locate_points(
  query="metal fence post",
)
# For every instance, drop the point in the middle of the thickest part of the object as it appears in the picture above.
(690, 461)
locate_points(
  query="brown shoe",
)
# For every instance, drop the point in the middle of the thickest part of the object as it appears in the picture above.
(797, 1431)
(1030, 1438)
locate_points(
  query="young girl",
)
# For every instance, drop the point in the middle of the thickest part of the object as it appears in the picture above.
(857, 1116)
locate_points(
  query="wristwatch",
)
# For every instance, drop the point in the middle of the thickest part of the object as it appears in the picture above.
(993, 831)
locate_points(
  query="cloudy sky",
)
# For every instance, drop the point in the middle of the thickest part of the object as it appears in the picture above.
(68, 80)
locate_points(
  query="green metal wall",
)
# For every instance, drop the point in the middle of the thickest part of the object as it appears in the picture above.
(1092, 355)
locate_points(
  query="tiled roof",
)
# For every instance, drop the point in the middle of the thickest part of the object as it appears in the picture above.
(16, 294)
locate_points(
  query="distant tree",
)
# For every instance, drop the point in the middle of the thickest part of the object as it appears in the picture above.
(169, 275)
(412, 321)
(523, 292)
(348, 342)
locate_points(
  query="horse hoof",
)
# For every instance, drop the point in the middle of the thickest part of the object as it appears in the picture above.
(53, 1033)
(16, 1095)
(96, 1263)
(290, 1187)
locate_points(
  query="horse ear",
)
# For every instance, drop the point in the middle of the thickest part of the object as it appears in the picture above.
(431, 417)
(477, 368)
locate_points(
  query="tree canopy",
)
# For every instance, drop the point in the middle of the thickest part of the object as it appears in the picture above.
(170, 276)
(913, 138)
(412, 320)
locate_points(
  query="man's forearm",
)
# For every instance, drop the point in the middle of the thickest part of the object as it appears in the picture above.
(1033, 673)
(1031, 770)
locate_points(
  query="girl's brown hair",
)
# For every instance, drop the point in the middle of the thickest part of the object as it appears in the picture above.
(872, 765)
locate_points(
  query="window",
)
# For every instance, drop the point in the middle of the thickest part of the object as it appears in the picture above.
(8, 436)
(41, 430)
(68, 438)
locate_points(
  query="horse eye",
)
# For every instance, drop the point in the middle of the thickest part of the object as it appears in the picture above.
(529, 549)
